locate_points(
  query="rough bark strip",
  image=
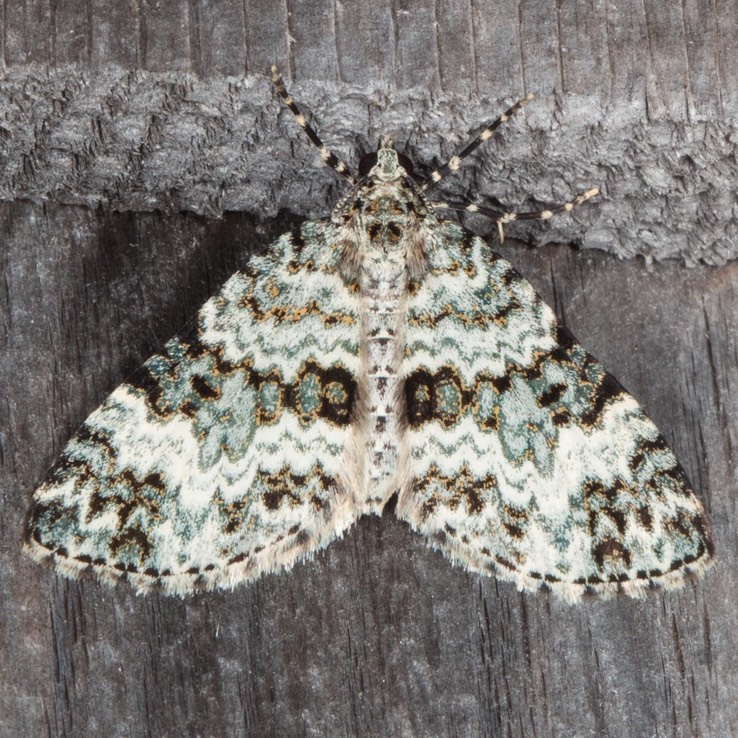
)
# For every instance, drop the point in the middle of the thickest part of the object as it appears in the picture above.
(135, 141)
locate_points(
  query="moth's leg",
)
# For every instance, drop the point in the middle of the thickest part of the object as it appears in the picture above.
(501, 217)
(455, 161)
(325, 153)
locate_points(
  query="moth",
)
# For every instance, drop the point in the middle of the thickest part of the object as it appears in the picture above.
(379, 353)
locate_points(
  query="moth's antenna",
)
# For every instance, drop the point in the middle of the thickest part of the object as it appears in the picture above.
(325, 153)
(501, 217)
(455, 161)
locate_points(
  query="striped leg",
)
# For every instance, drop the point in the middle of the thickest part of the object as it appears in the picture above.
(502, 218)
(455, 161)
(325, 153)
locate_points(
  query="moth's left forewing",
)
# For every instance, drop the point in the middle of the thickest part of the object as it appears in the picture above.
(231, 452)
(527, 459)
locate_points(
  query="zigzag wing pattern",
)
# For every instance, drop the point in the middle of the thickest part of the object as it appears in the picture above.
(527, 459)
(228, 454)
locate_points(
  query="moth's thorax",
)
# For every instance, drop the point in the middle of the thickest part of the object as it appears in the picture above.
(381, 203)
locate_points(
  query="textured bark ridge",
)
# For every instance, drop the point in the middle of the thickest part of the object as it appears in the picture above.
(145, 141)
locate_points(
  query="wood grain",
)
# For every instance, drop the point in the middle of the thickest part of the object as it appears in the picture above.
(127, 135)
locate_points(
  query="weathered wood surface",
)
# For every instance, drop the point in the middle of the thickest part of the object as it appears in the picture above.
(377, 635)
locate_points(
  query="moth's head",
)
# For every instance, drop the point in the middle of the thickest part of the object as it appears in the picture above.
(385, 164)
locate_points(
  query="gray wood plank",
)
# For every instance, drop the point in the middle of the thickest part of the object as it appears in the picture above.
(27, 33)
(540, 53)
(416, 38)
(454, 38)
(266, 38)
(71, 32)
(313, 51)
(668, 74)
(116, 39)
(584, 55)
(701, 29)
(165, 37)
(727, 62)
(362, 32)
(585, 45)
(143, 108)
(627, 30)
(217, 39)
(497, 45)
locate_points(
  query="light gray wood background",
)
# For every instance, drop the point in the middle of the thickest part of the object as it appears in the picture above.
(143, 157)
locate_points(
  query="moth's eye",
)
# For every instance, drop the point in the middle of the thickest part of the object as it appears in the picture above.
(367, 163)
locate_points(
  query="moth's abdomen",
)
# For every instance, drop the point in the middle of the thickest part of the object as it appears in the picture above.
(383, 286)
